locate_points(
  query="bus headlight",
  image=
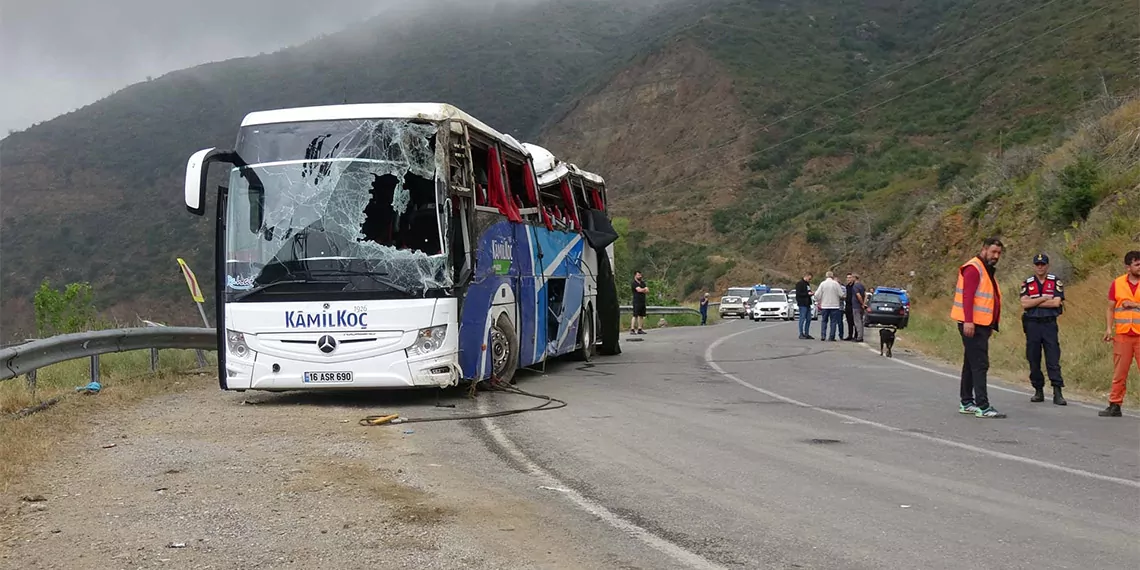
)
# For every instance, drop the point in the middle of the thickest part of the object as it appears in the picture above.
(428, 340)
(235, 342)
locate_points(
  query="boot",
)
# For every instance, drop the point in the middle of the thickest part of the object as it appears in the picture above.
(1112, 411)
(1058, 399)
(1038, 395)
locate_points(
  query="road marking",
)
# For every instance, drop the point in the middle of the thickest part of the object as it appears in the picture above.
(900, 431)
(991, 386)
(672, 550)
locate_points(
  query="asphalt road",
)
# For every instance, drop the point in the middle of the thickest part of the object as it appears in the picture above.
(741, 446)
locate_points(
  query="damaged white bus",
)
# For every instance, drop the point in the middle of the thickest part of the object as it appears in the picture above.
(400, 245)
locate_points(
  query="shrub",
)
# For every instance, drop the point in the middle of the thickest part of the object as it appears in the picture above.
(1076, 196)
(68, 311)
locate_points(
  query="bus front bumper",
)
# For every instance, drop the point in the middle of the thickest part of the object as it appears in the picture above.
(393, 370)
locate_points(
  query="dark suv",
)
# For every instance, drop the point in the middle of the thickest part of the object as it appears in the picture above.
(888, 308)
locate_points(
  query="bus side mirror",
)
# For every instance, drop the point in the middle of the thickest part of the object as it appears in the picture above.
(196, 170)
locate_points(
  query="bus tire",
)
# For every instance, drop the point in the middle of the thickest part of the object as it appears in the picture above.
(586, 337)
(504, 347)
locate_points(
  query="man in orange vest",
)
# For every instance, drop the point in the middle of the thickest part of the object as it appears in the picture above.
(977, 309)
(1123, 330)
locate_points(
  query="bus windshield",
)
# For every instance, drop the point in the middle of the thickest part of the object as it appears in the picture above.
(337, 207)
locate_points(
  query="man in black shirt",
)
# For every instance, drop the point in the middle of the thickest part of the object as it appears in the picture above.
(849, 308)
(803, 300)
(637, 323)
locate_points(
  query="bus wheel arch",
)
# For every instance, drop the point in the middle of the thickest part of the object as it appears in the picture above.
(504, 350)
(587, 336)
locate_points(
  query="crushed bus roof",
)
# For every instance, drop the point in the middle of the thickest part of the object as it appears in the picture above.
(425, 111)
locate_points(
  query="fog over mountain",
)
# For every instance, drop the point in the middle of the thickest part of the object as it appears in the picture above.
(59, 55)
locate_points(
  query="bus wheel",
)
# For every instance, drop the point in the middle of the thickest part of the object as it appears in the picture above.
(585, 353)
(504, 350)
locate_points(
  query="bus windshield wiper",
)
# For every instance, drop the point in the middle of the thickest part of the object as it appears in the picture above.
(377, 276)
(261, 288)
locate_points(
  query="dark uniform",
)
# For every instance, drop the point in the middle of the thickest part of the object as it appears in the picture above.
(1040, 325)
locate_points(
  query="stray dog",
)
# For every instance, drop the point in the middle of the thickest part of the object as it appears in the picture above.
(886, 341)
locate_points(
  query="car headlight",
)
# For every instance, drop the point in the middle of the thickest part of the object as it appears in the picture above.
(428, 340)
(235, 343)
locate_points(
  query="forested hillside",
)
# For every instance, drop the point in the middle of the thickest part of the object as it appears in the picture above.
(743, 139)
(96, 194)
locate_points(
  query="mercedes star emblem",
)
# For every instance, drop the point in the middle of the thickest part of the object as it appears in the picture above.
(326, 344)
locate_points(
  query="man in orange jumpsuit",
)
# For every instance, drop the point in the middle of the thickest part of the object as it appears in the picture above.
(1123, 330)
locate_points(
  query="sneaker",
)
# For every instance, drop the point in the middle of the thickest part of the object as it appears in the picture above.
(968, 408)
(989, 412)
(640, 331)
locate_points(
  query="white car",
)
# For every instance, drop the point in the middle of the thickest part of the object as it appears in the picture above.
(796, 311)
(736, 301)
(773, 306)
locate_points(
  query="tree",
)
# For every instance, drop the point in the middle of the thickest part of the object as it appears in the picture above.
(68, 311)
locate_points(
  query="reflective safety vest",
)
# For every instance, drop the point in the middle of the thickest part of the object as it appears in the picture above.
(1127, 320)
(986, 298)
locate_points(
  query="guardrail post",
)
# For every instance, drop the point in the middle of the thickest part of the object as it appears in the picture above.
(201, 358)
(31, 376)
(154, 360)
(95, 368)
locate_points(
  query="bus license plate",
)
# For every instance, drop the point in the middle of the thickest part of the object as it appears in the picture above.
(320, 377)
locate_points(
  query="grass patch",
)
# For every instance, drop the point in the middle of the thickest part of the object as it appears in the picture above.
(62, 379)
(1086, 361)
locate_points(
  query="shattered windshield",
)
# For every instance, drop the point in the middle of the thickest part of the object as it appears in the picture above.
(348, 206)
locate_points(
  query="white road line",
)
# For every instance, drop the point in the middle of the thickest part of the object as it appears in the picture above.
(991, 386)
(670, 549)
(900, 431)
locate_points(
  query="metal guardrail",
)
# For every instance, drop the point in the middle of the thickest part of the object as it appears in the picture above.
(664, 310)
(25, 359)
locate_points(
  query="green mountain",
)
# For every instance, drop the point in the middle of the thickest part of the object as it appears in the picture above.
(744, 139)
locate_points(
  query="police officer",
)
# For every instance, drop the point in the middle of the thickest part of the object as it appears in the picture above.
(1043, 297)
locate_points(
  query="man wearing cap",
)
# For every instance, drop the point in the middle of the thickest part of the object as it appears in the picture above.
(1043, 298)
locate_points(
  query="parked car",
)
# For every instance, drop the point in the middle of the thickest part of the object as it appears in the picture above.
(736, 302)
(897, 291)
(887, 307)
(773, 306)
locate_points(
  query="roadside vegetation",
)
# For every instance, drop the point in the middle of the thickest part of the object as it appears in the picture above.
(1078, 202)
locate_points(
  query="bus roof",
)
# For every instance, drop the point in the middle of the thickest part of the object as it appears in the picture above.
(549, 169)
(426, 111)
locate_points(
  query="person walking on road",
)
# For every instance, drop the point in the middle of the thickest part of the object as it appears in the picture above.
(857, 300)
(637, 323)
(1043, 298)
(704, 309)
(804, 302)
(977, 309)
(848, 309)
(1123, 330)
(830, 296)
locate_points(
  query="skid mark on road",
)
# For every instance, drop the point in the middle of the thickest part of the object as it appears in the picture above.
(550, 482)
(916, 435)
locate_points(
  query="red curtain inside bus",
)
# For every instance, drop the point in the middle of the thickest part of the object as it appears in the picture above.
(569, 198)
(498, 192)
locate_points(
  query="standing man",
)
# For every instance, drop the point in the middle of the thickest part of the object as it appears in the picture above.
(637, 323)
(1043, 297)
(830, 295)
(1123, 330)
(803, 301)
(857, 300)
(704, 309)
(848, 313)
(977, 308)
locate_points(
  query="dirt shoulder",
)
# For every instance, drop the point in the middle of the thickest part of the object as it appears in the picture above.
(205, 479)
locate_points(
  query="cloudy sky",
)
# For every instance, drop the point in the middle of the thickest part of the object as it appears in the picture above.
(58, 55)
